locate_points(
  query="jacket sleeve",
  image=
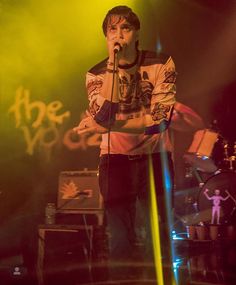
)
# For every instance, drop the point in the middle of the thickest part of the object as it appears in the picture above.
(163, 98)
(102, 110)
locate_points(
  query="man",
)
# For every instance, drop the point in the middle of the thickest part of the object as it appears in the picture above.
(131, 97)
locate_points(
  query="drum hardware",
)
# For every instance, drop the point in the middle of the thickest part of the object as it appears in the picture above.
(231, 197)
(198, 176)
(229, 158)
(188, 172)
(191, 214)
(188, 191)
(231, 163)
(234, 208)
(193, 172)
(232, 212)
(226, 148)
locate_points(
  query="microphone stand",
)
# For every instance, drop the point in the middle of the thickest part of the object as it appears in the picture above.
(115, 66)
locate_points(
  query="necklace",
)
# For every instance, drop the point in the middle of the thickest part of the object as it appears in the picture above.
(129, 65)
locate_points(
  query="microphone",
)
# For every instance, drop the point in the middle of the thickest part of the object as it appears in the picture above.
(117, 48)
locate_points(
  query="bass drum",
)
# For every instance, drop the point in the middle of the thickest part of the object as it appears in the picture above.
(225, 182)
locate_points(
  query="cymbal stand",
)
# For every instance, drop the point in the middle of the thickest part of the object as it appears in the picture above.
(227, 158)
(234, 208)
(226, 151)
(198, 176)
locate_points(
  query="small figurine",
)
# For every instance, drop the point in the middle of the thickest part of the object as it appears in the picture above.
(216, 198)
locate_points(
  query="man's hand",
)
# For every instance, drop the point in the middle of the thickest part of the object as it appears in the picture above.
(89, 125)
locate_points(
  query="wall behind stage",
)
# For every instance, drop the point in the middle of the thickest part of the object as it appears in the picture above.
(45, 52)
(46, 49)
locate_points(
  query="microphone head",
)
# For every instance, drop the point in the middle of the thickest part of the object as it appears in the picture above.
(117, 48)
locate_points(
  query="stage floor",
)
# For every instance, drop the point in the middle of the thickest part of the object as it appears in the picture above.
(194, 262)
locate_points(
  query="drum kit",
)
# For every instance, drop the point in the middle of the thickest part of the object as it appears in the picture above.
(213, 157)
(212, 160)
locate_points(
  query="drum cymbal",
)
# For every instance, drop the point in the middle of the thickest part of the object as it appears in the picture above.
(200, 163)
(184, 119)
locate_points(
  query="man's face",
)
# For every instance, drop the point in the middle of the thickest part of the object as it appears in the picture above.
(121, 31)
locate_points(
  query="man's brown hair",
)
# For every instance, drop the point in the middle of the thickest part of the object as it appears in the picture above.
(125, 13)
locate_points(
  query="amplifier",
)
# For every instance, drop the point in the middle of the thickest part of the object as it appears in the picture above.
(78, 191)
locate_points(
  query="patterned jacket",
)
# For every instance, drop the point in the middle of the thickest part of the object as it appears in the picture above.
(148, 93)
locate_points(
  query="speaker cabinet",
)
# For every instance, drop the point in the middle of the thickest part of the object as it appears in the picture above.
(65, 254)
